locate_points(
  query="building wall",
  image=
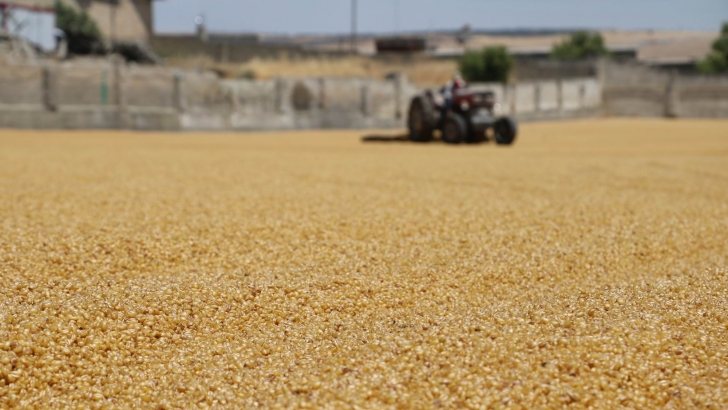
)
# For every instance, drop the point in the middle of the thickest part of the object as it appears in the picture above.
(34, 25)
(34, 4)
(133, 20)
(31, 20)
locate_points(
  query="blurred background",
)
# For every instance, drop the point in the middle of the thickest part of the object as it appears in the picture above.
(238, 64)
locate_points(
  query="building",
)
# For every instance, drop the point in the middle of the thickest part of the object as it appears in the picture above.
(118, 20)
(31, 20)
(681, 55)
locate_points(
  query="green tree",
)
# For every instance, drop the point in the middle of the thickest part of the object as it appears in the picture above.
(491, 64)
(82, 33)
(580, 45)
(717, 60)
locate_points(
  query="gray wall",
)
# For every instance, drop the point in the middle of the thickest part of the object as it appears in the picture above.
(110, 95)
(698, 96)
(105, 94)
(639, 91)
(549, 99)
(20, 86)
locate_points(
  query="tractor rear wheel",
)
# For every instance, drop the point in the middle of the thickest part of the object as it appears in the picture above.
(505, 131)
(421, 120)
(455, 129)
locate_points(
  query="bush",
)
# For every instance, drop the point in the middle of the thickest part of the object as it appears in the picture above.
(82, 33)
(491, 64)
(580, 45)
(247, 75)
(717, 61)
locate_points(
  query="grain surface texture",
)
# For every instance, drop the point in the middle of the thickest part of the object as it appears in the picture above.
(585, 266)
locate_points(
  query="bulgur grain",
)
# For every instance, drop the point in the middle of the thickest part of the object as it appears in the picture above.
(584, 266)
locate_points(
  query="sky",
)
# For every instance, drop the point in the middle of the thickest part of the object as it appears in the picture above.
(387, 16)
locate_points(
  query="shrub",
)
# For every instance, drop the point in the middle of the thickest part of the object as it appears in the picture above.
(82, 33)
(717, 60)
(491, 64)
(580, 45)
(247, 75)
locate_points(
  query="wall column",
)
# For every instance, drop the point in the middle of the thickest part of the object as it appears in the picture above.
(514, 95)
(399, 81)
(119, 95)
(672, 96)
(280, 89)
(322, 94)
(178, 92)
(50, 89)
(366, 100)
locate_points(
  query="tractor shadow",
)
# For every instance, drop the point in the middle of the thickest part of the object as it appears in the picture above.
(386, 138)
(404, 139)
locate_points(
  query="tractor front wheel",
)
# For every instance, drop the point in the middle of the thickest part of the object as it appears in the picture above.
(505, 131)
(455, 129)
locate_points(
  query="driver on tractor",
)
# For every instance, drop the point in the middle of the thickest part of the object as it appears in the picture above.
(448, 92)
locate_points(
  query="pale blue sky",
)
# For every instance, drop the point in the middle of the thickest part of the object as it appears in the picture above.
(333, 16)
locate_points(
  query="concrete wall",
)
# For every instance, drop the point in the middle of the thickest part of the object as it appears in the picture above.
(108, 94)
(634, 90)
(113, 95)
(536, 100)
(21, 86)
(697, 96)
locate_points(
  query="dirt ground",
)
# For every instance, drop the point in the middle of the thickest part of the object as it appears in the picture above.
(585, 265)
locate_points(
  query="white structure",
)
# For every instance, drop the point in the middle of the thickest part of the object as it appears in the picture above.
(36, 25)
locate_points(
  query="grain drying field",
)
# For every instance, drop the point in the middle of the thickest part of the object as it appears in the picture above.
(584, 266)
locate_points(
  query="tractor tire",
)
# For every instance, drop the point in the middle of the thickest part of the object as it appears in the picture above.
(505, 131)
(421, 119)
(455, 129)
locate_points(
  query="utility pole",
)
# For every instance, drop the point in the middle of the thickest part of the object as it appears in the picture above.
(353, 26)
(112, 23)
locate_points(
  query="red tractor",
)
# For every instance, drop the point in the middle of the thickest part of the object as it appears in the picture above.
(470, 118)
